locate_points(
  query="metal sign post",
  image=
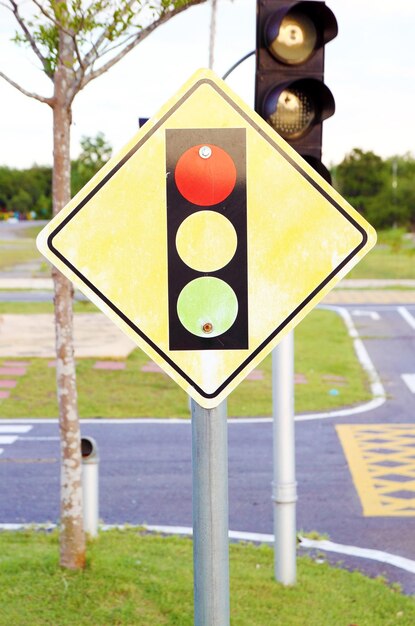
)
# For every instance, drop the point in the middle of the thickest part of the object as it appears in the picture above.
(210, 515)
(284, 493)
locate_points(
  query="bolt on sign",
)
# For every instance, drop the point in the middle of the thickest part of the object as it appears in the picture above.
(206, 239)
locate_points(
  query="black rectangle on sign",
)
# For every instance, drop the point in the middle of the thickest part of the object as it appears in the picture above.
(186, 196)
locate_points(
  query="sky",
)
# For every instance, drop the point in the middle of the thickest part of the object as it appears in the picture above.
(370, 69)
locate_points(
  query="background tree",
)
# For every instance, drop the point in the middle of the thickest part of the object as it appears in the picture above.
(21, 201)
(95, 152)
(26, 190)
(382, 190)
(360, 177)
(75, 42)
(8, 186)
(30, 190)
(401, 183)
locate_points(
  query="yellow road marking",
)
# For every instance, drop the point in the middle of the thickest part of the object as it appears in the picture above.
(381, 460)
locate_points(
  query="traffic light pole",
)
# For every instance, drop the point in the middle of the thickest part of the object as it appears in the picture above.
(210, 515)
(284, 492)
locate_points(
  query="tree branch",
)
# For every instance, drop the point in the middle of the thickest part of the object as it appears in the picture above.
(44, 12)
(30, 39)
(59, 26)
(30, 94)
(93, 53)
(142, 34)
(109, 48)
(81, 70)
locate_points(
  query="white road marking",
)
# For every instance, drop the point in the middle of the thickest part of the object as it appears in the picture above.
(376, 387)
(6, 439)
(365, 553)
(9, 433)
(403, 311)
(39, 438)
(315, 544)
(327, 546)
(372, 314)
(409, 380)
(14, 429)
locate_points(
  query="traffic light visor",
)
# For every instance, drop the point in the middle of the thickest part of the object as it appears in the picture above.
(292, 108)
(293, 39)
(293, 33)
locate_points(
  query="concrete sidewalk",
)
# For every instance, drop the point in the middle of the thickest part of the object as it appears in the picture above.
(26, 282)
(343, 296)
(96, 336)
(348, 291)
(34, 336)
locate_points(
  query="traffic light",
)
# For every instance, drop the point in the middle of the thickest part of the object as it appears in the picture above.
(207, 239)
(290, 93)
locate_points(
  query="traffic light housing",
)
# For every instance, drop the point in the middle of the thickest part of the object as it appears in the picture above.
(207, 239)
(290, 93)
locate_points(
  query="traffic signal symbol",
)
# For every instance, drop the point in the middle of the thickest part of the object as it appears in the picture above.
(290, 93)
(207, 239)
(205, 175)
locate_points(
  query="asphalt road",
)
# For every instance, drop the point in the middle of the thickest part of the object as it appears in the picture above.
(34, 296)
(145, 469)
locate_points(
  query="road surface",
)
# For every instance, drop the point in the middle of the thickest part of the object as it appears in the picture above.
(356, 473)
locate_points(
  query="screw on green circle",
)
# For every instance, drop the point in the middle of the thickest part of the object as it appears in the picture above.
(207, 306)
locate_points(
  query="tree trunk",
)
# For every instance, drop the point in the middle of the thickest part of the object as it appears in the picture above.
(72, 536)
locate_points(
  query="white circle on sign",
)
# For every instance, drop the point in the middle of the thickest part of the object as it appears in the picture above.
(206, 241)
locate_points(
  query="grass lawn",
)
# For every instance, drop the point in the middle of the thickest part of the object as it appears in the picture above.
(30, 232)
(31, 308)
(381, 263)
(329, 374)
(392, 257)
(20, 250)
(147, 580)
(17, 251)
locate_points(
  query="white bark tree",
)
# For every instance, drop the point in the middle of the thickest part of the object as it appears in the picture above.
(75, 41)
(212, 32)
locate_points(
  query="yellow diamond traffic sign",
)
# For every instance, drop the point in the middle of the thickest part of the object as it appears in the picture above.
(206, 239)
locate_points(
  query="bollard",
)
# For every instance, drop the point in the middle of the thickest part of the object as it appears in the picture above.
(90, 462)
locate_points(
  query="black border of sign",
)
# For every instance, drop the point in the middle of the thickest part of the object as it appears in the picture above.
(125, 159)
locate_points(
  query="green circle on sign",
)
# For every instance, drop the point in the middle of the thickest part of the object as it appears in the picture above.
(206, 241)
(207, 307)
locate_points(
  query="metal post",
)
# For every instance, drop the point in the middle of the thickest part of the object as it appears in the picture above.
(210, 515)
(284, 486)
(90, 462)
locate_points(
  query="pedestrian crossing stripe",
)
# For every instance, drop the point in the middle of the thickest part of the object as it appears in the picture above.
(409, 380)
(381, 459)
(7, 439)
(9, 434)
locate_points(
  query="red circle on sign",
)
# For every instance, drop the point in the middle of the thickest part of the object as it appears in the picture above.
(205, 180)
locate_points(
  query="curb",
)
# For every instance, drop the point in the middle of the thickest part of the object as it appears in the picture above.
(408, 565)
